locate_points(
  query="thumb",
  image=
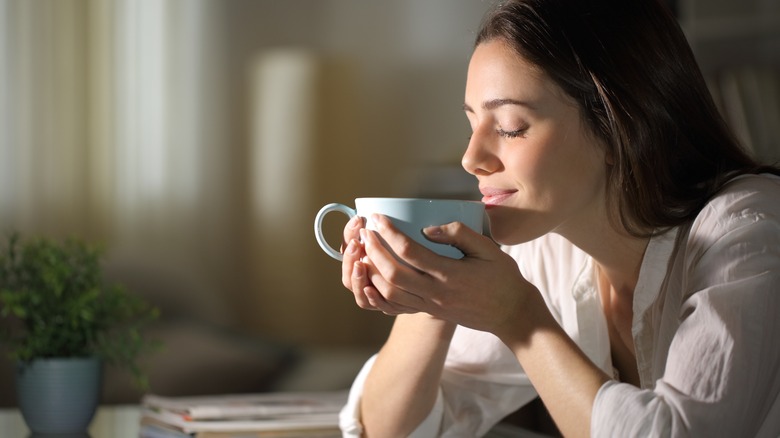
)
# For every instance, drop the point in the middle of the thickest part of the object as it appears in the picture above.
(468, 241)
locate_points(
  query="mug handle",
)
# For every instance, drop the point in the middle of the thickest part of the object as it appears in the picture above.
(318, 227)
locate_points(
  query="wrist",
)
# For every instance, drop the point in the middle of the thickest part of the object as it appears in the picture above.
(531, 317)
(425, 325)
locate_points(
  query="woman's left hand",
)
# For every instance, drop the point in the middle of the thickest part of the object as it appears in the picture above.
(484, 290)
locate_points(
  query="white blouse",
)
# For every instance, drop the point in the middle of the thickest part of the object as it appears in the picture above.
(706, 332)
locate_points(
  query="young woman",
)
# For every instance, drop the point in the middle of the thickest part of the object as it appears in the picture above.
(637, 286)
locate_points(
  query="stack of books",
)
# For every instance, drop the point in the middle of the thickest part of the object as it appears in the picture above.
(287, 415)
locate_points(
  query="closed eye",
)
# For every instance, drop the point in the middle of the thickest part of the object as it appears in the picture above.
(511, 134)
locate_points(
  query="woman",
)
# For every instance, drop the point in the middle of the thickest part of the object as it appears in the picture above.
(636, 286)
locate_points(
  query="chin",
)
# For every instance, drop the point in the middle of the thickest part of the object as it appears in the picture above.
(509, 238)
(511, 226)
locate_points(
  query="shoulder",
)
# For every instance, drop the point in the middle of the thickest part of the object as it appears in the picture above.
(750, 187)
(737, 233)
(743, 201)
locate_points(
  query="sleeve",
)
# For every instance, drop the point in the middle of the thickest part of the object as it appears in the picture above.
(721, 374)
(349, 417)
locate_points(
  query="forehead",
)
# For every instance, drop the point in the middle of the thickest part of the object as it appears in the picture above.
(497, 71)
(498, 53)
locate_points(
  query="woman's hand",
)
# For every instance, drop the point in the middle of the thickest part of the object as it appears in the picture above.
(484, 290)
(352, 250)
(403, 384)
(354, 270)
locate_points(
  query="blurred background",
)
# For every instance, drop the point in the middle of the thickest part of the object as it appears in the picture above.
(196, 139)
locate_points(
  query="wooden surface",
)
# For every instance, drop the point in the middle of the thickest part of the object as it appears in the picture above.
(120, 421)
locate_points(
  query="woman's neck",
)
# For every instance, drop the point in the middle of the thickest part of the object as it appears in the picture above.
(617, 254)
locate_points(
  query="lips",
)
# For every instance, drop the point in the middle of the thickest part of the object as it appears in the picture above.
(495, 196)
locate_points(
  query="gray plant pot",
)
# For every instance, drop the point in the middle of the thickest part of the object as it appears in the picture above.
(58, 396)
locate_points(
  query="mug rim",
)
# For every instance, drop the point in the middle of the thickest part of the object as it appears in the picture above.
(426, 200)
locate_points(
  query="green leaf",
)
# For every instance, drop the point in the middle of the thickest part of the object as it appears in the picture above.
(55, 302)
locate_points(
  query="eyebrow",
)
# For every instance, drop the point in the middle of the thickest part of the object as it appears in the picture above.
(495, 103)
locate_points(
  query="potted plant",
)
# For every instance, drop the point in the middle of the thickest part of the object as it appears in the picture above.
(62, 322)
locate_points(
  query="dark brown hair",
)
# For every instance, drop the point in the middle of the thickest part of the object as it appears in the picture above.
(628, 66)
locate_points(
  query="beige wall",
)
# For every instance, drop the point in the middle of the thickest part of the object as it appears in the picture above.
(178, 205)
(130, 122)
(390, 97)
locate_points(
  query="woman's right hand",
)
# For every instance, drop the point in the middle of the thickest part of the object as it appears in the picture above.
(403, 384)
(354, 272)
(353, 251)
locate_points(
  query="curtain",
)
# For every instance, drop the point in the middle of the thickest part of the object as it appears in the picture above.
(43, 113)
(112, 129)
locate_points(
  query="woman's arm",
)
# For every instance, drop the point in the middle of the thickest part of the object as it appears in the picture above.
(566, 380)
(485, 291)
(403, 384)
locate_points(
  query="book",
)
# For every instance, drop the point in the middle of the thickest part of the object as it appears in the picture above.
(160, 431)
(247, 415)
(151, 428)
(156, 431)
(249, 405)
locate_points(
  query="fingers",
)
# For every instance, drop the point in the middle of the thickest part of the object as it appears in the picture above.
(379, 303)
(391, 276)
(368, 297)
(358, 282)
(406, 249)
(473, 244)
(354, 275)
(351, 249)
(382, 267)
(468, 241)
(352, 253)
(351, 230)
(356, 278)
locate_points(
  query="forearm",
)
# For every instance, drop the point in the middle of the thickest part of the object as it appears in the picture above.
(403, 384)
(566, 380)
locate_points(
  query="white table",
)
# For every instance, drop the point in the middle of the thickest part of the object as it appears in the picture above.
(120, 421)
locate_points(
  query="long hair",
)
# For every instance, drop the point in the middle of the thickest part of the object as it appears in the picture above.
(634, 77)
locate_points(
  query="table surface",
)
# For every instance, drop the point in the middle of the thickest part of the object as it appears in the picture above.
(120, 421)
(123, 421)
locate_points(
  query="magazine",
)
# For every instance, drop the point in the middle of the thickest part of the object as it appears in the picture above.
(271, 414)
(249, 405)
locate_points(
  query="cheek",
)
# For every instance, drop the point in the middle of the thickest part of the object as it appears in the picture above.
(588, 167)
(528, 163)
(565, 166)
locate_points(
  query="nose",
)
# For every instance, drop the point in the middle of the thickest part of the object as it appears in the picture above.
(480, 158)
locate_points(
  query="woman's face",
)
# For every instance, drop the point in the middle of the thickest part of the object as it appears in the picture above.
(539, 168)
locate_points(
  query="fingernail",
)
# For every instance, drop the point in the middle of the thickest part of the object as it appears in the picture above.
(362, 234)
(358, 270)
(432, 231)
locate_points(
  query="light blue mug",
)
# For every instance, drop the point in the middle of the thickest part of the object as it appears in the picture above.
(410, 216)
